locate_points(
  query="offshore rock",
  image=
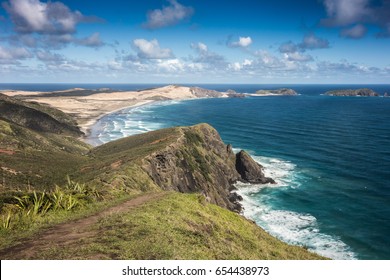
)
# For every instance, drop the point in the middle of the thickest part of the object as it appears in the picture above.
(250, 170)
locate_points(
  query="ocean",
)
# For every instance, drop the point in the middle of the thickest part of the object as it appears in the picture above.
(330, 157)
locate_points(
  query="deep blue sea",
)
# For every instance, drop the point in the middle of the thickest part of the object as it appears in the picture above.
(329, 155)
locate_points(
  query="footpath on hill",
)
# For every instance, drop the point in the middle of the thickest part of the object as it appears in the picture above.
(66, 234)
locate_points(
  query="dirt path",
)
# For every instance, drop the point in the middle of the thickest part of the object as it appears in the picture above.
(70, 232)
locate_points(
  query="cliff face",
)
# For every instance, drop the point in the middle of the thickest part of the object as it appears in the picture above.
(198, 162)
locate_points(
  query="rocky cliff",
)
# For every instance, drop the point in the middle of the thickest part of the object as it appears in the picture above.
(184, 159)
(200, 162)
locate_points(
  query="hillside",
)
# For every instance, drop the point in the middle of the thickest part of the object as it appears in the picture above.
(184, 174)
(38, 145)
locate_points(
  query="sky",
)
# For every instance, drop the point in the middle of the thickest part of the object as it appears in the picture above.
(195, 41)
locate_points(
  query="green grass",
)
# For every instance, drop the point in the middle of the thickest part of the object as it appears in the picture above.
(16, 226)
(178, 226)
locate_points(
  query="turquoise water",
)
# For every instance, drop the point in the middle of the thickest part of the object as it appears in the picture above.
(330, 157)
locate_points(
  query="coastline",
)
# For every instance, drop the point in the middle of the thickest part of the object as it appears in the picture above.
(86, 127)
(88, 110)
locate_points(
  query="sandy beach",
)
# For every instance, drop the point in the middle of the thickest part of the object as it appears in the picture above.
(90, 108)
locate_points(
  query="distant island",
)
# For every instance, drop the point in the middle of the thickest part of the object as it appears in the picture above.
(281, 91)
(352, 92)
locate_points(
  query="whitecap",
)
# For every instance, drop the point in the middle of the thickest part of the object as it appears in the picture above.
(292, 227)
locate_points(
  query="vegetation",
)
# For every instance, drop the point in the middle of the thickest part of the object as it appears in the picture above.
(177, 226)
(23, 209)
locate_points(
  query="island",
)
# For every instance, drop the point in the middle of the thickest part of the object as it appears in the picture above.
(281, 91)
(366, 92)
(165, 194)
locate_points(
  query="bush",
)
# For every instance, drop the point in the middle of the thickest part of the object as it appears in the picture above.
(27, 207)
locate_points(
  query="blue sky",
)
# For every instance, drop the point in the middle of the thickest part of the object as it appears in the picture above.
(195, 41)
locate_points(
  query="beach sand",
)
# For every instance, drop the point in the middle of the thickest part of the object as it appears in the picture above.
(87, 110)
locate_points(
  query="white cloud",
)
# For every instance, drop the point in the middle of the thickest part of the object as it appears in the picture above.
(92, 41)
(167, 16)
(151, 49)
(31, 16)
(114, 65)
(352, 14)
(247, 62)
(288, 47)
(311, 42)
(171, 65)
(202, 47)
(297, 56)
(209, 59)
(243, 42)
(49, 57)
(355, 32)
(12, 55)
(346, 12)
(268, 60)
(237, 66)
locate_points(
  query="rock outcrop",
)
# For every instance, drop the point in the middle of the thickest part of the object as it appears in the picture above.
(200, 162)
(352, 92)
(250, 170)
(202, 92)
(233, 94)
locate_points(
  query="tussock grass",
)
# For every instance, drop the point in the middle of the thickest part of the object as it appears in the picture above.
(24, 209)
(179, 226)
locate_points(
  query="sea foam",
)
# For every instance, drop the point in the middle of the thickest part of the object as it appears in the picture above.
(292, 227)
(130, 121)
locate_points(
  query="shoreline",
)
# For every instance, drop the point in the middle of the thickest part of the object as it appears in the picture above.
(88, 110)
(86, 127)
